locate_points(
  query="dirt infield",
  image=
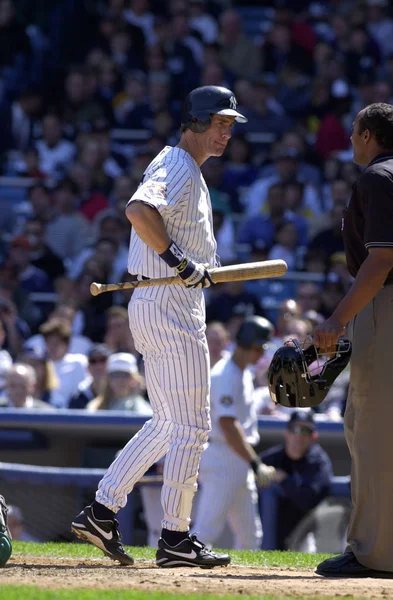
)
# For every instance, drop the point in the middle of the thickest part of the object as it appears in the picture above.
(63, 573)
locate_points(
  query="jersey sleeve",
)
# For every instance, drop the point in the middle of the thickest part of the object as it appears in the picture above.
(378, 209)
(223, 397)
(165, 188)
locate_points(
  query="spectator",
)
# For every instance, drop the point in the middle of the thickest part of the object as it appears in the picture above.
(279, 50)
(117, 334)
(19, 389)
(286, 246)
(305, 472)
(263, 226)
(78, 107)
(19, 118)
(112, 228)
(16, 525)
(79, 344)
(123, 387)
(92, 201)
(55, 152)
(202, 21)
(15, 47)
(138, 14)
(217, 341)
(29, 165)
(329, 240)
(308, 296)
(11, 316)
(332, 292)
(232, 302)
(46, 381)
(71, 369)
(5, 358)
(286, 171)
(67, 233)
(239, 55)
(131, 108)
(238, 172)
(264, 113)
(93, 385)
(31, 278)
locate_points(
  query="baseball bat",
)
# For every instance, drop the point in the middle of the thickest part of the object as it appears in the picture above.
(242, 272)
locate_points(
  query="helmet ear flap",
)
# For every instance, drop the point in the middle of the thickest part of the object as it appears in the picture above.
(197, 125)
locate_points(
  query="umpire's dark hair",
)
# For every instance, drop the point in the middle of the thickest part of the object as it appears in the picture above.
(378, 119)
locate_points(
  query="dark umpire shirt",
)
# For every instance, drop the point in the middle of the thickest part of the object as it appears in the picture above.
(308, 483)
(368, 217)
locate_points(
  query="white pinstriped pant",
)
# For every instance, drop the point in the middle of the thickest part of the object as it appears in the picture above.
(168, 326)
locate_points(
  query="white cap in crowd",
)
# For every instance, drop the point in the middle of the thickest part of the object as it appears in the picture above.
(123, 362)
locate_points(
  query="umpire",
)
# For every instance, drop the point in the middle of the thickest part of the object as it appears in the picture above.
(367, 311)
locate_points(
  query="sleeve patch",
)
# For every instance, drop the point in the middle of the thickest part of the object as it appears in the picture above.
(226, 401)
(155, 188)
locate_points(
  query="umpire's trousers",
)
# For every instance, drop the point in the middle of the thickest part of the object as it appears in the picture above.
(369, 432)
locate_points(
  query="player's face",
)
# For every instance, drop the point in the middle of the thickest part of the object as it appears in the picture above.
(218, 135)
(254, 354)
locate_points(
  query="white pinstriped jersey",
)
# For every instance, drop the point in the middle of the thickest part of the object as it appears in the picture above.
(174, 185)
(231, 395)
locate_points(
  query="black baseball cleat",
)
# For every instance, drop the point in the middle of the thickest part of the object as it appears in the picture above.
(189, 553)
(103, 534)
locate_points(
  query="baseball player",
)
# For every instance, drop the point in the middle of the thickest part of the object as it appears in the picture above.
(172, 234)
(230, 465)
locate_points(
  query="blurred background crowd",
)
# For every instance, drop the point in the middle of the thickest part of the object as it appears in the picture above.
(90, 91)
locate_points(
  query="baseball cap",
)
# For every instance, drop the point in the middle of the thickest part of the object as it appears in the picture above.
(98, 350)
(123, 362)
(305, 417)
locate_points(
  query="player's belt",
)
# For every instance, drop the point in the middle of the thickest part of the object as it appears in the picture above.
(137, 277)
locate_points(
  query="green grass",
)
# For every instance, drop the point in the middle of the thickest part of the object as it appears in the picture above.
(238, 557)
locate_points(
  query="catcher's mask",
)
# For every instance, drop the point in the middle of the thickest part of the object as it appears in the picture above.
(301, 376)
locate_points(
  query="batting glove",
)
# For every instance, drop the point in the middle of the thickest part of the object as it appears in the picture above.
(264, 474)
(192, 274)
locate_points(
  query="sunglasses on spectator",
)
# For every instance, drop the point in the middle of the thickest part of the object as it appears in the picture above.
(301, 430)
(98, 359)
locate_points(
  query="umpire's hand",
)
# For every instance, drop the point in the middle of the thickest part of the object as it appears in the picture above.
(194, 275)
(326, 334)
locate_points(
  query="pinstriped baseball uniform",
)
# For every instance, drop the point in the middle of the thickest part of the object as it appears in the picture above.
(228, 491)
(168, 326)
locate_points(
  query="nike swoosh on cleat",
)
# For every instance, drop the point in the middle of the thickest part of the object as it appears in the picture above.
(191, 554)
(107, 536)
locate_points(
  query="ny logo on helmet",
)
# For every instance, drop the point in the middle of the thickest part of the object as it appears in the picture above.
(232, 102)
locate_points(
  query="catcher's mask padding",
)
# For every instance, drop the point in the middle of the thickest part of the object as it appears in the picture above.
(301, 377)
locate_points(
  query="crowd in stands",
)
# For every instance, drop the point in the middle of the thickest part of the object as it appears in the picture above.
(89, 92)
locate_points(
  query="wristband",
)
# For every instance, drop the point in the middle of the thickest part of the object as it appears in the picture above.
(173, 255)
(254, 464)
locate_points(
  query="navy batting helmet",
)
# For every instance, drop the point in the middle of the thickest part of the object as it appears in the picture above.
(301, 377)
(205, 101)
(254, 331)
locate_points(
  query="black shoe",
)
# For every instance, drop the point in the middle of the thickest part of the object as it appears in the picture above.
(103, 534)
(347, 565)
(189, 553)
